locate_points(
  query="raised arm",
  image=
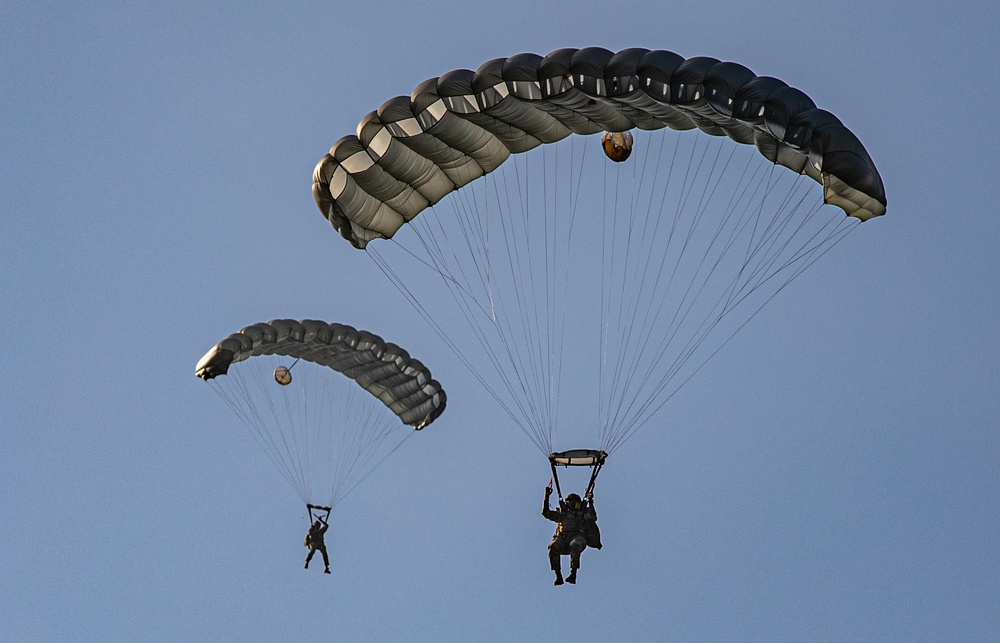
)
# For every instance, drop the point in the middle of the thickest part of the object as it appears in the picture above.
(548, 513)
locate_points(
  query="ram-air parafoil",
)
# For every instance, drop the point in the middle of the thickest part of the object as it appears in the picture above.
(627, 276)
(326, 402)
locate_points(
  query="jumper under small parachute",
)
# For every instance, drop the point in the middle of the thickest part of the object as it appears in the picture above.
(329, 426)
(560, 262)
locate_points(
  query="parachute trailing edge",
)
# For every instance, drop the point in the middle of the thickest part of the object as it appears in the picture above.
(382, 368)
(453, 129)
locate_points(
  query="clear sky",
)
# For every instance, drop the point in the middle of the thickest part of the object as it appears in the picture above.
(830, 475)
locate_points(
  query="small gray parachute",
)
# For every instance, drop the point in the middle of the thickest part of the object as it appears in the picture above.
(382, 368)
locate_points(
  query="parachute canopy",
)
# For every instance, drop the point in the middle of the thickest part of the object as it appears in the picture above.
(382, 368)
(455, 128)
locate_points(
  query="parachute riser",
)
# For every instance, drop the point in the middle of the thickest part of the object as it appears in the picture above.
(596, 466)
(593, 479)
(555, 478)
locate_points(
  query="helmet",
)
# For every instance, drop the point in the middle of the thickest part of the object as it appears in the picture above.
(573, 501)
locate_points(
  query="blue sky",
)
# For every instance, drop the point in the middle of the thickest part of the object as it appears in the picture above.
(830, 475)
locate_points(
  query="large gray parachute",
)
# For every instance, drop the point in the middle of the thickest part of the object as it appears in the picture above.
(382, 368)
(453, 129)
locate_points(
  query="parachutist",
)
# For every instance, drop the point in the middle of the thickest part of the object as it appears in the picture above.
(314, 541)
(576, 529)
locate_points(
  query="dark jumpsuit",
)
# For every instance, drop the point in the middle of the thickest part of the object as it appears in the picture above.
(570, 538)
(315, 541)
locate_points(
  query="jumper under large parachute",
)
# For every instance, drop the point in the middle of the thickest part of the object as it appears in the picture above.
(621, 278)
(322, 437)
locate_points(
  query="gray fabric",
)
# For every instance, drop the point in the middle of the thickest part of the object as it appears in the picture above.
(382, 368)
(453, 129)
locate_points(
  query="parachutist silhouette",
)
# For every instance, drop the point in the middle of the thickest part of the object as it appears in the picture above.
(314, 541)
(576, 528)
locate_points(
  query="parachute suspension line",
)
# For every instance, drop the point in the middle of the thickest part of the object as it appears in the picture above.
(765, 247)
(555, 284)
(538, 270)
(761, 246)
(528, 294)
(636, 330)
(384, 265)
(532, 254)
(524, 348)
(835, 239)
(300, 414)
(539, 289)
(361, 461)
(718, 165)
(345, 430)
(692, 294)
(253, 420)
(248, 392)
(694, 290)
(282, 423)
(768, 254)
(478, 246)
(628, 320)
(696, 287)
(640, 334)
(306, 429)
(558, 302)
(625, 314)
(609, 284)
(633, 334)
(467, 300)
(556, 325)
(464, 297)
(541, 300)
(557, 225)
(352, 447)
(708, 323)
(609, 225)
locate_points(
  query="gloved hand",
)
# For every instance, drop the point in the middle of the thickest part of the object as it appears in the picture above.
(548, 491)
